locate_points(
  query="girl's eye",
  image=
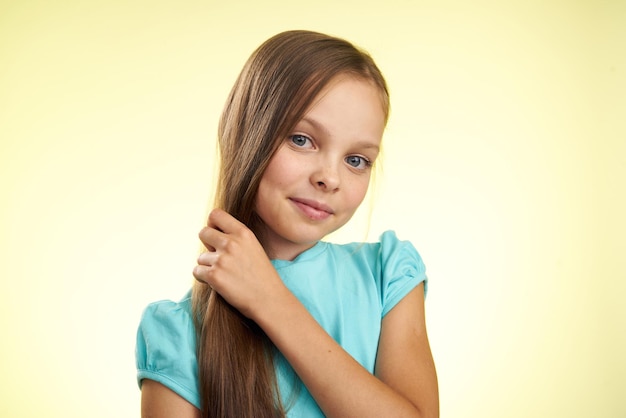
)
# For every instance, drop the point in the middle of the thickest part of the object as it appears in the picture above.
(300, 141)
(358, 162)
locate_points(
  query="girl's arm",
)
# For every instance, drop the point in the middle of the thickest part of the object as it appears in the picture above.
(405, 384)
(404, 360)
(158, 401)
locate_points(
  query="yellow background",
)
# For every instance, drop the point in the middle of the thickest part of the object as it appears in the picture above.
(504, 164)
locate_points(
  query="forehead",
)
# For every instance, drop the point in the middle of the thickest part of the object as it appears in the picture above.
(349, 79)
(348, 107)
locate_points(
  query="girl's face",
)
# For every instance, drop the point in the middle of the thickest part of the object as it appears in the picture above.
(320, 174)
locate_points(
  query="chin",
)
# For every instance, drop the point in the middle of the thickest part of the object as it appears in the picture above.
(305, 235)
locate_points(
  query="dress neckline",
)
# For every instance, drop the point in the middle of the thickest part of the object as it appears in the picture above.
(309, 254)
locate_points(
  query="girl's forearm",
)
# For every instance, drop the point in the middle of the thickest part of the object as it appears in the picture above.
(339, 384)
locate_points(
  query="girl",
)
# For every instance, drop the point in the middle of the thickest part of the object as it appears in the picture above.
(278, 322)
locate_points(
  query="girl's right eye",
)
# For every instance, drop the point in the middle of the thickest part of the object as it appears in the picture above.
(301, 141)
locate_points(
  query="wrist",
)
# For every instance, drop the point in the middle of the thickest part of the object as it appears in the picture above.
(279, 305)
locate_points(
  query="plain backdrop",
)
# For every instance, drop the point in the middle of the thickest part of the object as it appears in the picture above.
(504, 164)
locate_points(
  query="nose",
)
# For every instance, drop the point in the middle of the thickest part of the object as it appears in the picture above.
(326, 178)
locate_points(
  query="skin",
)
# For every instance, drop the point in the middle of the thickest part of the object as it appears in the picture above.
(312, 186)
(159, 401)
(325, 162)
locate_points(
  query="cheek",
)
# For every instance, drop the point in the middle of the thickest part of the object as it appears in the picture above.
(280, 169)
(271, 179)
(357, 191)
(275, 182)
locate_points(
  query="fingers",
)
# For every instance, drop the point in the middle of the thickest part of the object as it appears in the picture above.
(211, 238)
(221, 228)
(225, 239)
(201, 274)
(216, 241)
(223, 221)
(204, 270)
(208, 258)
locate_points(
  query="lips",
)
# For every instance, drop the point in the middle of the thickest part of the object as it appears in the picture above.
(312, 209)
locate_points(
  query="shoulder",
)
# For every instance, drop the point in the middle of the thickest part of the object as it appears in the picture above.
(399, 268)
(165, 320)
(400, 257)
(389, 254)
(166, 347)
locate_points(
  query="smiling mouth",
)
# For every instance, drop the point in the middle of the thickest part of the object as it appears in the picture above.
(312, 209)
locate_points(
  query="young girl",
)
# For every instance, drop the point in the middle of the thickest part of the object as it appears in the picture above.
(278, 322)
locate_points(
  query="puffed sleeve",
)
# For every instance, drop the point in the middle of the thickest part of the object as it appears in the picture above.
(402, 270)
(166, 348)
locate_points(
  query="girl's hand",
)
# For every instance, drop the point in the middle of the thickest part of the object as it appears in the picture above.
(235, 265)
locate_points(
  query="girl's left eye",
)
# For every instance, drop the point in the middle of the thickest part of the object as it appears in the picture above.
(358, 162)
(300, 141)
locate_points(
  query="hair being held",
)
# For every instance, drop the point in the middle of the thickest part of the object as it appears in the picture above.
(272, 93)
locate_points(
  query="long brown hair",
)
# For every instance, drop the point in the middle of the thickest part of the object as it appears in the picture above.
(276, 86)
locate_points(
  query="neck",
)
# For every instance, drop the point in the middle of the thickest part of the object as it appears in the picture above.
(279, 248)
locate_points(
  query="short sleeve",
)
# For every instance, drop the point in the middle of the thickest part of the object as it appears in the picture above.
(402, 270)
(166, 348)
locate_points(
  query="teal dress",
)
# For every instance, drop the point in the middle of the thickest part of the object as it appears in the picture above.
(347, 288)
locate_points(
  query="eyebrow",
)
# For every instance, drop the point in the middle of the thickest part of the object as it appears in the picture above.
(320, 127)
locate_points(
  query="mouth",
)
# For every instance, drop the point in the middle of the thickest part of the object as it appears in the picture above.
(312, 209)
